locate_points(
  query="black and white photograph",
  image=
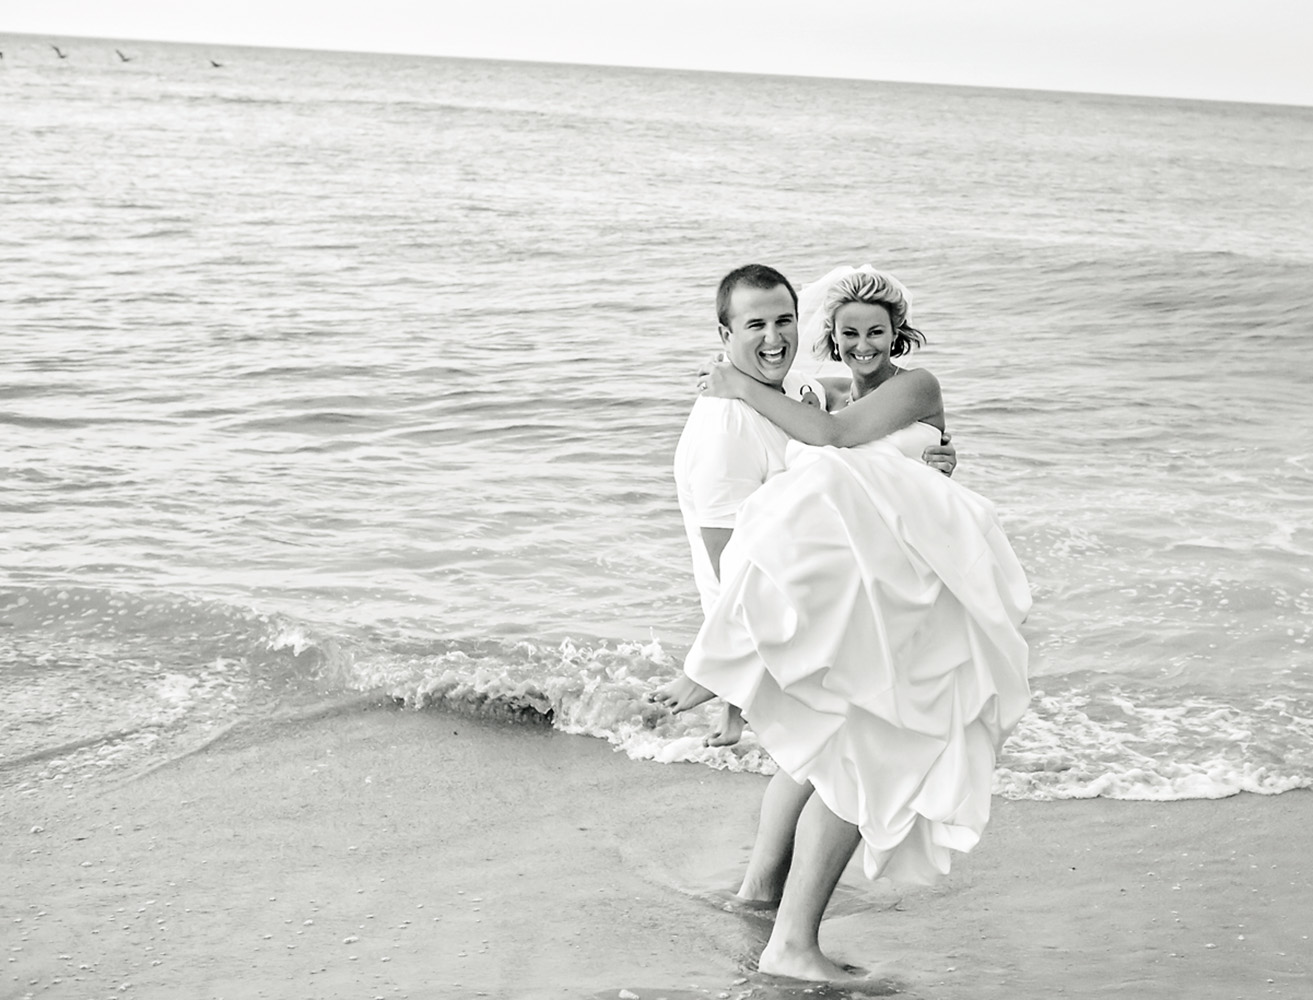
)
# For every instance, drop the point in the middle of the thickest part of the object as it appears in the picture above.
(688, 501)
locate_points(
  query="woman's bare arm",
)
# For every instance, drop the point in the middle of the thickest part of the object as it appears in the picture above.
(911, 396)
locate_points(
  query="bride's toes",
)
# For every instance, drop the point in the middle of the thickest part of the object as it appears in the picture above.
(681, 694)
(730, 730)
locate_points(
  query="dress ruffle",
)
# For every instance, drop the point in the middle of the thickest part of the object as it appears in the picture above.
(868, 626)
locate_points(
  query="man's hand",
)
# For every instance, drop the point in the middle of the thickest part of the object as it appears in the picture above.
(942, 456)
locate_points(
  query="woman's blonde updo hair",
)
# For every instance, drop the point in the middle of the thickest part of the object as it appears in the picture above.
(875, 288)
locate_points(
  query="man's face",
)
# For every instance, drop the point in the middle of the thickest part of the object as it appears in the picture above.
(762, 338)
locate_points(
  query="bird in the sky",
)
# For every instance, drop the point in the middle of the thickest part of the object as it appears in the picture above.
(216, 65)
(122, 57)
(59, 52)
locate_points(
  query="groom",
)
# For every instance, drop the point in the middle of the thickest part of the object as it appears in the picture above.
(726, 451)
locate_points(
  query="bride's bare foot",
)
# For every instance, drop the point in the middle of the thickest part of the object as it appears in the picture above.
(731, 902)
(804, 963)
(730, 729)
(760, 894)
(681, 694)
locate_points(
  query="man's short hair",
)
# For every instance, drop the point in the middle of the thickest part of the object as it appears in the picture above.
(754, 276)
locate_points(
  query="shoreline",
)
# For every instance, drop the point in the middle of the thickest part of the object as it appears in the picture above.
(404, 854)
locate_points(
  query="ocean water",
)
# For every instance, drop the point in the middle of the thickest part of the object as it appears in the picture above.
(331, 379)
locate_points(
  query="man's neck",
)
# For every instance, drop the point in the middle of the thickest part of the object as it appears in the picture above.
(777, 386)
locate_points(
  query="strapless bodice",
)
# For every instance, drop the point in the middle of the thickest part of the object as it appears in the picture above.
(910, 441)
(913, 439)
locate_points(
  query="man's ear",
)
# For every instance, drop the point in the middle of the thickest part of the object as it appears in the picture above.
(723, 330)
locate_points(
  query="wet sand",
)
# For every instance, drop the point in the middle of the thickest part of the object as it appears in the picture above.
(401, 854)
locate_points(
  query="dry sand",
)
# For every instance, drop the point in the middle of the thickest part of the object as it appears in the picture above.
(399, 854)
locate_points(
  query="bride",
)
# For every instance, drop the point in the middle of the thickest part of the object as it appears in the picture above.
(867, 625)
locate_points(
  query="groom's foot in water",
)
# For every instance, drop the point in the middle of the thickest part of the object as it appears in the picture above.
(681, 694)
(728, 731)
(805, 963)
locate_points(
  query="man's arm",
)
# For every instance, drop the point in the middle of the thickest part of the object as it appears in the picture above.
(729, 730)
(725, 461)
(715, 539)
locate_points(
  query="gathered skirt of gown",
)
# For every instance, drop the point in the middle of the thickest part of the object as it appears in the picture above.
(868, 626)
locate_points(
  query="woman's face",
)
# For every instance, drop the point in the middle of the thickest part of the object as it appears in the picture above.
(864, 335)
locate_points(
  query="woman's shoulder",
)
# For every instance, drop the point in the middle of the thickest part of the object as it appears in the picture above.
(921, 382)
(924, 388)
(921, 376)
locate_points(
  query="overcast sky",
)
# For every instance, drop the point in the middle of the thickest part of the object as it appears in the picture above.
(1242, 50)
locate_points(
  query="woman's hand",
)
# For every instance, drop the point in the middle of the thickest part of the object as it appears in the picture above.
(718, 377)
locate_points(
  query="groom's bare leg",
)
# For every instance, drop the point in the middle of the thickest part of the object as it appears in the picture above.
(772, 851)
(823, 847)
(681, 694)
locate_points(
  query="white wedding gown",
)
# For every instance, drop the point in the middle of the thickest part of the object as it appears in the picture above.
(867, 625)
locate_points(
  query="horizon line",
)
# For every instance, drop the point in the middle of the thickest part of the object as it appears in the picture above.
(666, 69)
